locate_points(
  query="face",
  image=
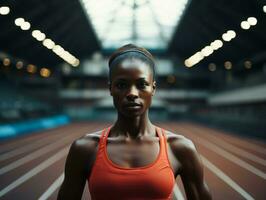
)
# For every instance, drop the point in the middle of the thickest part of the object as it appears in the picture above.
(132, 87)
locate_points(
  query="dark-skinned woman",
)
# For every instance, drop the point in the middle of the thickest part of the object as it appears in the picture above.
(133, 159)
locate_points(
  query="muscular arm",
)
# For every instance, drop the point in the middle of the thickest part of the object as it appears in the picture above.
(192, 172)
(76, 170)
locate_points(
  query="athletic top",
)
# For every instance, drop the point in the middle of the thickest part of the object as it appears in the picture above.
(151, 182)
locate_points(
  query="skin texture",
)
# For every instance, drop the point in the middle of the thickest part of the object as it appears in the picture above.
(135, 136)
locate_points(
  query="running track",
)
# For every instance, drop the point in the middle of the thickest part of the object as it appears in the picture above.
(31, 166)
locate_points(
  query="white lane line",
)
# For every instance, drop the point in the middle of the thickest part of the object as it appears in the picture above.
(229, 156)
(28, 147)
(56, 184)
(35, 154)
(35, 171)
(242, 141)
(253, 147)
(226, 179)
(232, 158)
(234, 149)
(178, 194)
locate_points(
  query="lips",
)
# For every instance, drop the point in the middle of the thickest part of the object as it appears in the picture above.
(132, 105)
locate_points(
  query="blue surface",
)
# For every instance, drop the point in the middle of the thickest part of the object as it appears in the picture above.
(12, 130)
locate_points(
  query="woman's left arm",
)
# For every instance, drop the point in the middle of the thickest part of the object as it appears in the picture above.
(192, 172)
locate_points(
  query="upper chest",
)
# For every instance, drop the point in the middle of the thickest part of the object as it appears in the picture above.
(132, 152)
(130, 155)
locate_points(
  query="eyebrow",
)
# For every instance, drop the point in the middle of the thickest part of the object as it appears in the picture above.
(142, 79)
(123, 79)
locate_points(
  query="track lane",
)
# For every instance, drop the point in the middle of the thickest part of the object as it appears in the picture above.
(220, 190)
(241, 176)
(20, 171)
(249, 144)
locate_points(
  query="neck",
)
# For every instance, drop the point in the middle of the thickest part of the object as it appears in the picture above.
(133, 128)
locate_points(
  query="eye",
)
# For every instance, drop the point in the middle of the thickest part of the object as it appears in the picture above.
(143, 85)
(120, 85)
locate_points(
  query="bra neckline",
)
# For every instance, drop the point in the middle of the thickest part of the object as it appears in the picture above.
(131, 168)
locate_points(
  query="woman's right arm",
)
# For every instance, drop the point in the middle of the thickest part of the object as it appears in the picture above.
(78, 164)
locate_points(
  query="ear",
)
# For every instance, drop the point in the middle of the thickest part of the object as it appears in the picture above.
(110, 88)
(153, 87)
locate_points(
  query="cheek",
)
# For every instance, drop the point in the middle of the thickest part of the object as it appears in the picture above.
(116, 100)
(148, 99)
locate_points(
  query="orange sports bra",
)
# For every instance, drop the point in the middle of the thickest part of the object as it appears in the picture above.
(109, 181)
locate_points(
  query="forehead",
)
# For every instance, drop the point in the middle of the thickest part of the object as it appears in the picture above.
(132, 69)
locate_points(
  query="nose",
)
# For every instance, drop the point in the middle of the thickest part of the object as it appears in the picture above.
(132, 93)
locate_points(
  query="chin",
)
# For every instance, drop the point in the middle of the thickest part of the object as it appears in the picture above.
(133, 114)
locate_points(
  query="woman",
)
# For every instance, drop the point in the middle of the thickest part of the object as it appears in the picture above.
(133, 159)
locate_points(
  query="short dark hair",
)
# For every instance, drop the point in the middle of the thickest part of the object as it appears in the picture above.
(131, 51)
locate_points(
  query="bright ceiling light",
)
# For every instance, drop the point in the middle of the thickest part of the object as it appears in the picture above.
(252, 21)
(48, 43)
(264, 8)
(35, 33)
(4, 10)
(25, 26)
(44, 72)
(19, 21)
(216, 44)
(245, 25)
(65, 55)
(226, 37)
(40, 37)
(231, 33)
(188, 63)
(58, 50)
(197, 57)
(193, 60)
(206, 51)
(76, 63)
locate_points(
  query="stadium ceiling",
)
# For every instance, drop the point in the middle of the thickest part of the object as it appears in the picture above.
(239, 24)
(81, 29)
(62, 21)
(148, 23)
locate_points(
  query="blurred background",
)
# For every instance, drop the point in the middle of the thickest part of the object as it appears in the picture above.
(211, 85)
(210, 60)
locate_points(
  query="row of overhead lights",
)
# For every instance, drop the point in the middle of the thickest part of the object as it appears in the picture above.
(205, 52)
(228, 65)
(251, 21)
(217, 44)
(44, 72)
(39, 36)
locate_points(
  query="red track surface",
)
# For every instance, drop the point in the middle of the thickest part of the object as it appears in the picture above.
(234, 167)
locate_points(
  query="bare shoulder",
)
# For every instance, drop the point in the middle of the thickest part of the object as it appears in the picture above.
(78, 165)
(178, 141)
(83, 152)
(191, 166)
(182, 147)
(87, 143)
